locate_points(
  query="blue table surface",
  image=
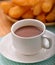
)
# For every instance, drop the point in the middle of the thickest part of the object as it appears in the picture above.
(51, 28)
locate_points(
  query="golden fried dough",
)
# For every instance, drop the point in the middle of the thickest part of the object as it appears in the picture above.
(43, 10)
(33, 2)
(37, 9)
(21, 2)
(51, 16)
(6, 5)
(28, 14)
(15, 12)
(26, 2)
(47, 5)
(41, 17)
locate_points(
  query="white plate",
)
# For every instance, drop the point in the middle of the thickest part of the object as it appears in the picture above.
(7, 50)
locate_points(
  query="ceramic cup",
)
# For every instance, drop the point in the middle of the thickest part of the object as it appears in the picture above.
(29, 45)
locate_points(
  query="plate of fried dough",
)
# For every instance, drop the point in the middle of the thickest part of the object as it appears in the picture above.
(43, 10)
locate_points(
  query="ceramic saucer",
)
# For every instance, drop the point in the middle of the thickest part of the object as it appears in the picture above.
(7, 50)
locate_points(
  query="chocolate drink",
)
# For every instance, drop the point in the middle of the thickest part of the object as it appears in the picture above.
(28, 31)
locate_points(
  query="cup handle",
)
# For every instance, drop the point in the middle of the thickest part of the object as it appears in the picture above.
(47, 42)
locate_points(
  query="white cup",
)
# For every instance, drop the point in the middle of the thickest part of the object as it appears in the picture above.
(29, 45)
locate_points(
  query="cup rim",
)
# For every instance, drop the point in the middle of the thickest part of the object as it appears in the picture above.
(28, 37)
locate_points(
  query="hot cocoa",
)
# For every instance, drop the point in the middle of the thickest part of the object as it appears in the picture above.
(28, 31)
